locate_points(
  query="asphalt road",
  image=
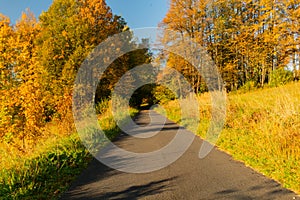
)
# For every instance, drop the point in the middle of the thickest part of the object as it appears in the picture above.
(217, 176)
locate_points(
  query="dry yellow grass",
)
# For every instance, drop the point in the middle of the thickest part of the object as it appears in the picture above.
(45, 169)
(262, 129)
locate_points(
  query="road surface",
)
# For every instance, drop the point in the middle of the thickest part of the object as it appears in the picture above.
(217, 176)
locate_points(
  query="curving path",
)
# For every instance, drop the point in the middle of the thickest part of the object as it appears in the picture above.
(217, 176)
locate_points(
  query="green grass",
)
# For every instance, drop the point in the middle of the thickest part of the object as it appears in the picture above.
(48, 171)
(262, 129)
(46, 175)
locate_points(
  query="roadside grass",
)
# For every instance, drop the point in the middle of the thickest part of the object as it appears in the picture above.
(262, 130)
(46, 175)
(51, 165)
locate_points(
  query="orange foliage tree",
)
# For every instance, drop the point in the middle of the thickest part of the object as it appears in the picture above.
(248, 40)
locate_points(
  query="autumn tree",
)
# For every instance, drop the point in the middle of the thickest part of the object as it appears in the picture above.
(22, 91)
(70, 30)
(247, 40)
(6, 76)
(29, 75)
(39, 61)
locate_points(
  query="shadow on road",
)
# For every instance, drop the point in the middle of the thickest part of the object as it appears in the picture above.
(136, 192)
(92, 176)
(268, 190)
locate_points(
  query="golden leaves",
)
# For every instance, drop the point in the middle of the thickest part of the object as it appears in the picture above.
(245, 39)
(21, 105)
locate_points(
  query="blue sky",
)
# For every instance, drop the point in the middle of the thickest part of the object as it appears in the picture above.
(14, 8)
(137, 13)
(140, 13)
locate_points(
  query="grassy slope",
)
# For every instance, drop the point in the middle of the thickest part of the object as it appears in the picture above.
(262, 129)
(48, 171)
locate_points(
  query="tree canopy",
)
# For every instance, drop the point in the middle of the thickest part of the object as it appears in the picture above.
(40, 59)
(247, 40)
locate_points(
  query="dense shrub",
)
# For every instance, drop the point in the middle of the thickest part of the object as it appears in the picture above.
(280, 76)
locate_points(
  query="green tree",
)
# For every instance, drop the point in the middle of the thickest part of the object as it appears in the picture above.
(70, 30)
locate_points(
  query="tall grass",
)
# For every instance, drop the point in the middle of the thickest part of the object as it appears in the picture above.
(262, 129)
(47, 169)
(46, 175)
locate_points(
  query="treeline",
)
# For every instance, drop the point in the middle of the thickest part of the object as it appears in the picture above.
(252, 42)
(39, 60)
